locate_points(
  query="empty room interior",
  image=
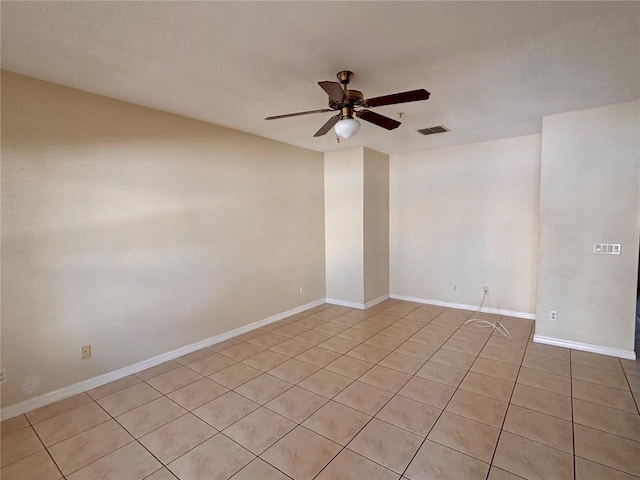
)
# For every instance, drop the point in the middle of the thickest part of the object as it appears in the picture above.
(320, 240)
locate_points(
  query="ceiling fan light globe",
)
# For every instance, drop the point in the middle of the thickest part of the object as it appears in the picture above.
(347, 127)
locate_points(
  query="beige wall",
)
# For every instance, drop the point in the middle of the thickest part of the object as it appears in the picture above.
(588, 194)
(344, 220)
(376, 224)
(139, 232)
(466, 215)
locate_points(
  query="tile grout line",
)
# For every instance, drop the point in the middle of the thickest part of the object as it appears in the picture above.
(508, 404)
(329, 400)
(260, 406)
(449, 401)
(573, 423)
(345, 447)
(378, 411)
(495, 449)
(457, 388)
(134, 439)
(78, 433)
(573, 428)
(626, 377)
(450, 398)
(46, 449)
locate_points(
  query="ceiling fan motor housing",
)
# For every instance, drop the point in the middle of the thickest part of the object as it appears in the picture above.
(352, 98)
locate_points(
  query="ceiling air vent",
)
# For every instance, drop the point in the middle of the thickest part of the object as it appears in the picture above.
(432, 130)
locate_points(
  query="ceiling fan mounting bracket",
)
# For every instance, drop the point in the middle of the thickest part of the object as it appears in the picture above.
(344, 77)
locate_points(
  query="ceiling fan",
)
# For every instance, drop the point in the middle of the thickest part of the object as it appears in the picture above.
(345, 101)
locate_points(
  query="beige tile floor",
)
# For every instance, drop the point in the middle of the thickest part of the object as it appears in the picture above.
(399, 390)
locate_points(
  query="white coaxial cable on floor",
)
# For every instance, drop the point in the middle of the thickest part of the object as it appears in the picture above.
(478, 322)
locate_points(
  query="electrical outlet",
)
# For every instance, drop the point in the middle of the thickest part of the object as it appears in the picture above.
(3, 376)
(553, 315)
(455, 287)
(301, 290)
(485, 290)
(86, 352)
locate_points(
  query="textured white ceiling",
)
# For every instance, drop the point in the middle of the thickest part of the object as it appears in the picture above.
(493, 68)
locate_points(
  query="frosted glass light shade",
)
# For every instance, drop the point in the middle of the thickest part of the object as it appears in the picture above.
(347, 127)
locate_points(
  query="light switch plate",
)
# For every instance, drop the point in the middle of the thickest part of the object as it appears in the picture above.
(607, 248)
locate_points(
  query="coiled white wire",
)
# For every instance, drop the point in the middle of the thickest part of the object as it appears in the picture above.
(478, 322)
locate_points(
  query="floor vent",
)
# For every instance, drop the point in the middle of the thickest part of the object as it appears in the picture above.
(432, 130)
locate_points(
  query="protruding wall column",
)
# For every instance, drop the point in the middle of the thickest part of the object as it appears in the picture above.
(356, 187)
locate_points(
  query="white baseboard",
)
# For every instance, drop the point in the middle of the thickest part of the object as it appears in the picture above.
(343, 303)
(376, 301)
(462, 306)
(359, 306)
(48, 398)
(586, 347)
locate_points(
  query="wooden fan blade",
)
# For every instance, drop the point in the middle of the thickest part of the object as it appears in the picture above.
(377, 119)
(334, 90)
(404, 97)
(327, 126)
(324, 110)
